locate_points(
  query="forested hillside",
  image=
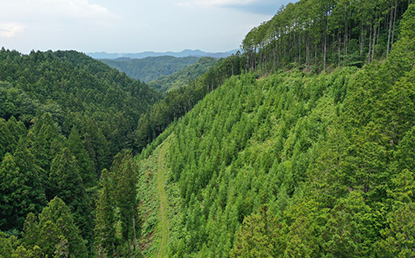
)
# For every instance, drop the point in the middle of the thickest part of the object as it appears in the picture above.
(322, 34)
(300, 145)
(311, 35)
(293, 164)
(150, 68)
(184, 76)
(63, 117)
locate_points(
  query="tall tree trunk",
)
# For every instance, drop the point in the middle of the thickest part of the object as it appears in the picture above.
(265, 62)
(389, 31)
(299, 48)
(273, 51)
(374, 41)
(394, 23)
(129, 248)
(278, 53)
(376, 26)
(339, 42)
(362, 40)
(346, 37)
(325, 41)
(370, 44)
(325, 50)
(307, 49)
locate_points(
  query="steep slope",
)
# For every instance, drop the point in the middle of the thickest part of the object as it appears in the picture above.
(297, 164)
(184, 76)
(63, 117)
(150, 68)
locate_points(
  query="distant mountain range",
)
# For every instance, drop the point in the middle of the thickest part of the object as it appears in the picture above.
(184, 53)
(150, 68)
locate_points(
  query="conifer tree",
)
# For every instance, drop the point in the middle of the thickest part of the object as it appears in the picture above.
(55, 233)
(67, 184)
(41, 137)
(125, 171)
(21, 189)
(106, 241)
(86, 169)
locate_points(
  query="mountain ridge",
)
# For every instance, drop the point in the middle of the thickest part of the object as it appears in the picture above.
(140, 55)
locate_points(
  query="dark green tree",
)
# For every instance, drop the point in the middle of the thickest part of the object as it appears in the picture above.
(85, 164)
(56, 232)
(125, 171)
(106, 241)
(67, 184)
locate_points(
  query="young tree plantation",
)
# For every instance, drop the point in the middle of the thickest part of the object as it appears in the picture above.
(299, 145)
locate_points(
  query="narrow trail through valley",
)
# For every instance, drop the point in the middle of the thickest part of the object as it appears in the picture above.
(163, 203)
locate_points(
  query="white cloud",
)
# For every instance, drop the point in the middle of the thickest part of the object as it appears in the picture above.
(73, 8)
(218, 3)
(9, 30)
(53, 10)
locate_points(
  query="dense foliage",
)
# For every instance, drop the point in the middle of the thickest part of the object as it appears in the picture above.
(178, 102)
(150, 68)
(289, 148)
(320, 33)
(297, 164)
(312, 35)
(63, 117)
(184, 76)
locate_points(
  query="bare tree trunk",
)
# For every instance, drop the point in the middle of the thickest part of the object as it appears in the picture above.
(394, 23)
(264, 56)
(307, 49)
(370, 44)
(273, 51)
(278, 53)
(374, 41)
(325, 50)
(299, 48)
(259, 60)
(389, 32)
(346, 38)
(362, 40)
(375, 27)
(129, 248)
(339, 47)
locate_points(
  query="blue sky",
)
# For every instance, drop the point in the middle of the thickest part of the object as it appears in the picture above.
(130, 25)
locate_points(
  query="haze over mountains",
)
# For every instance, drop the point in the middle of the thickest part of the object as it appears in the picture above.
(299, 145)
(150, 68)
(184, 53)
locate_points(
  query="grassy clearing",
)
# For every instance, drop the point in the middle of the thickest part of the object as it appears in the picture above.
(163, 202)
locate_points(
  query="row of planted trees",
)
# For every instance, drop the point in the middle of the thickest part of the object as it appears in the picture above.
(300, 165)
(322, 33)
(310, 33)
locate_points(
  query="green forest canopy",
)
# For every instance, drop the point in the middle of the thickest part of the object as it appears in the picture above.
(296, 164)
(288, 148)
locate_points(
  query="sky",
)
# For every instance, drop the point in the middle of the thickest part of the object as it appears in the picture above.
(130, 26)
